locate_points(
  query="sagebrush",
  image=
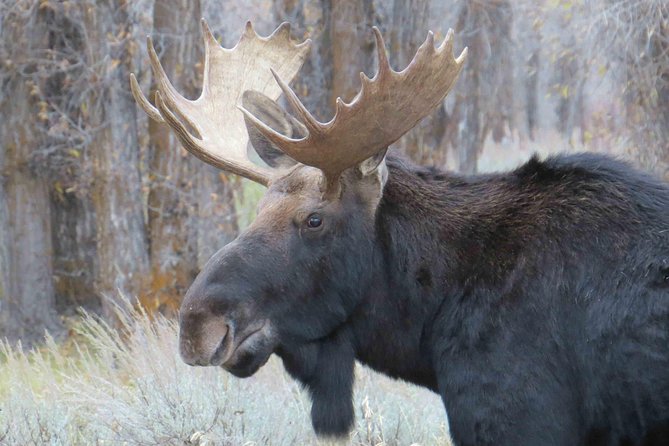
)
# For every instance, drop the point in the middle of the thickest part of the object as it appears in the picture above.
(128, 386)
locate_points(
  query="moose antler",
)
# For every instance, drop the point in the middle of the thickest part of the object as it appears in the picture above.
(386, 107)
(211, 127)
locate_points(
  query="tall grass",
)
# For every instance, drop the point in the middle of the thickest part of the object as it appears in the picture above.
(128, 386)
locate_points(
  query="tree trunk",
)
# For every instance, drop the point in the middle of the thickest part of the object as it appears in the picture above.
(74, 246)
(570, 76)
(314, 81)
(648, 90)
(481, 106)
(27, 304)
(216, 218)
(191, 204)
(531, 83)
(172, 169)
(352, 46)
(470, 135)
(116, 189)
(72, 212)
(408, 30)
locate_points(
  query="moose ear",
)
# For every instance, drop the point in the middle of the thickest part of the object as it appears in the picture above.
(269, 112)
(375, 164)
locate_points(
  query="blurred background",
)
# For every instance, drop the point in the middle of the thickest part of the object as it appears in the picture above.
(95, 199)
(101, 209)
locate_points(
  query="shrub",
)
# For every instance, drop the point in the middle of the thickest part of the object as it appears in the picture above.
(128, 386)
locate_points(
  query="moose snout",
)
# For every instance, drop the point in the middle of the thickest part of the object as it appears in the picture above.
(205, 342)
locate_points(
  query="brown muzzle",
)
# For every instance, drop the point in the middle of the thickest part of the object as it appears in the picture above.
(205, 340)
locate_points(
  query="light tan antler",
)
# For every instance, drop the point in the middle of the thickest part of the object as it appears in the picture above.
(386, 107)
(211, 127)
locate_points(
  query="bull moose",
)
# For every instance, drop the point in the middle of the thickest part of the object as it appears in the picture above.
(535, 302)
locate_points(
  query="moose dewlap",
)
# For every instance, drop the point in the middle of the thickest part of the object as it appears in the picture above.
(535, 302)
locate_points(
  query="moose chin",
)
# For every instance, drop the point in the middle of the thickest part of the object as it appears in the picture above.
(534, 302)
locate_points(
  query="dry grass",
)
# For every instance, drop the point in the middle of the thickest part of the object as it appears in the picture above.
(130, 387)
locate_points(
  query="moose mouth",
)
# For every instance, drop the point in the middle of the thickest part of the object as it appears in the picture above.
(245, 357)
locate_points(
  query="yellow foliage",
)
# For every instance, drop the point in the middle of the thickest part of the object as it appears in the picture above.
(587, 137)
(114, 63)
(163, 293)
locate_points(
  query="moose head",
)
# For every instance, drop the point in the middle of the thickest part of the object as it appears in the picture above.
(292, 281)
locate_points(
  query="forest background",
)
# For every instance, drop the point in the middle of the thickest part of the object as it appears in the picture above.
(96, 199)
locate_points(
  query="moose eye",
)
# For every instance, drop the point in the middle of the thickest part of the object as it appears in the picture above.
(314, 221)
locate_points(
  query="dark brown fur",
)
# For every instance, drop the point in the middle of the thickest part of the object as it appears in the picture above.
(536, 302)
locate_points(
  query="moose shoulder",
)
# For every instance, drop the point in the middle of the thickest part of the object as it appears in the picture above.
(535, 302)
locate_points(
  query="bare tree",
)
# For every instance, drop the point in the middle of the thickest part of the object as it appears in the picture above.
(634, 36)
(408, 29)
(216, 219)
(343, 47)
(170, 201)
(116, 187)
(312, 19)
(531, 80)
(27, 304)
(485, 97)
(63, 83)
(352, 46)
(570, 73)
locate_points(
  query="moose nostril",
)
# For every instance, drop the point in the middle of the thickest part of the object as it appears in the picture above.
(221, 351)
(188, 353)
(204, 343)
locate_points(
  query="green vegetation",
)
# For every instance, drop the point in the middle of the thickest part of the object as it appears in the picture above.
(246, 200)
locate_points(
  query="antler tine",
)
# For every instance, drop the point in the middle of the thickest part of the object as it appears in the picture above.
(211, 127)
(283, 31)
(142, 101)
(385, 108)
(210, 43)
(187, 140)
(381, 55)
(463, 56)
(163, 83)
(308, 119)
(447, 44)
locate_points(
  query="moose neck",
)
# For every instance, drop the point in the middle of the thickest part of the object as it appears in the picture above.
(391, 329)
(413, 225)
